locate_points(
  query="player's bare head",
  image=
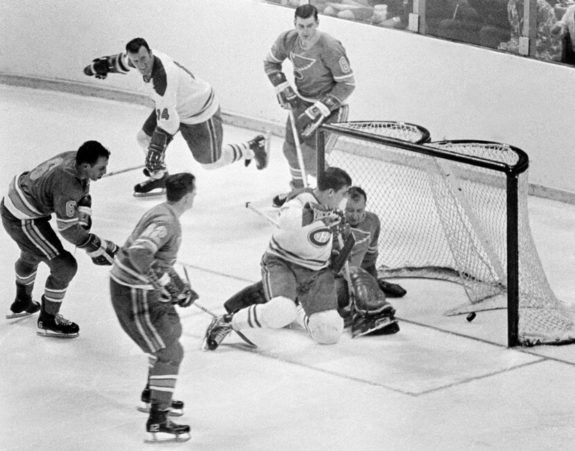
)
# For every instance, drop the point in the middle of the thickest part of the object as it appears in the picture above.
(333, 185)
(306, 22)
(140, 55)
(179, 186)
(355, 206)
(305, 12)
(92, 160)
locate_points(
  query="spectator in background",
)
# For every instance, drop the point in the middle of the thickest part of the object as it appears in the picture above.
(547, 45)
(565, 29)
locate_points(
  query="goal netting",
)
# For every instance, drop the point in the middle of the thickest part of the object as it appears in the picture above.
(456, 211)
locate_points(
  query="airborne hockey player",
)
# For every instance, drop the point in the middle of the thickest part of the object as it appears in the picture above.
(145, 288)
(323, 80)
(59, 186)
(183, 102)
(296, 267)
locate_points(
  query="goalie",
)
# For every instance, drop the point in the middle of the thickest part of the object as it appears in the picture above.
(367, 312)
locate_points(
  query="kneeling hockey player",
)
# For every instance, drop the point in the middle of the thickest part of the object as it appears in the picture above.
(298, 281)
(367, 312)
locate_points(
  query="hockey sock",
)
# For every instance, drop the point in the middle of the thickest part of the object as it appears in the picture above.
(275, 314)
(235, 152)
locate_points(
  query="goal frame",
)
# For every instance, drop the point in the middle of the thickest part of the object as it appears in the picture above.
(511, 172)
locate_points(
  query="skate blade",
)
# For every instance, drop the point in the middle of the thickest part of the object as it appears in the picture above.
(20, 315)
(49, 333)
(153, 193)
(164, 437)
(378, 326)
(145, 408)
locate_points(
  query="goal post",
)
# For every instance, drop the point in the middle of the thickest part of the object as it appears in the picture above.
(453, 210)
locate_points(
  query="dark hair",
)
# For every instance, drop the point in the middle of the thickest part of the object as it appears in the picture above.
(178, 185)
(333, 178)
(355, 193)
(305, 11)
(134, 45)
(90, 152)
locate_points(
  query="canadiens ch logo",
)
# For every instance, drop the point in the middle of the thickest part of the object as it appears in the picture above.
(320, 237)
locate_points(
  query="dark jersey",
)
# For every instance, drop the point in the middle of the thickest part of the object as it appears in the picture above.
(152, 245)
(320, 70)
(52, 187)
(366, 233)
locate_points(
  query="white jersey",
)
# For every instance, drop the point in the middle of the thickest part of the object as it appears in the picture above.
(179, 96)
(305, 245)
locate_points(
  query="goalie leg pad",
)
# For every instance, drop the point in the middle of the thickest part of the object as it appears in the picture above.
(325, 327)
(369, 299)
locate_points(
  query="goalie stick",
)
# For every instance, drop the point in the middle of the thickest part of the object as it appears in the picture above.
(213, 315)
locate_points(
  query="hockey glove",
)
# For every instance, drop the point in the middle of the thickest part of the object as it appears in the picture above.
(180, 291)
(101, 252)
(316, 212)
(85, 212)
(308, 122)
(101, 67)
(156, 150)
(287, 97)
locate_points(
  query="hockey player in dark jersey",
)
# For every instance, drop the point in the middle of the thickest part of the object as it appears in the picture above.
(298, 281)
(145, 288)
(183, 102)
(59, 186)
(373, 315)
(323, 80)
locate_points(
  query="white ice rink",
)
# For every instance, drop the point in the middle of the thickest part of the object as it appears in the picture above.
(441, 383)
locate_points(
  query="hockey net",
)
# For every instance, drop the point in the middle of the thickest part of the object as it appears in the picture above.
(455, 211)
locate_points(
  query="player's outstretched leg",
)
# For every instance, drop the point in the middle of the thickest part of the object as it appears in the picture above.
(161, 429)
(176, 407)
(56, 325)
(260, 147)
(153, 186)
(23, 307)
(218, 329)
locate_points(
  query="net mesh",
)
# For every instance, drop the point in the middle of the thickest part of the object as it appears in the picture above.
(448, 220)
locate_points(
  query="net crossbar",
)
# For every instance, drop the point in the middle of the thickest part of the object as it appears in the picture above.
(455, 211)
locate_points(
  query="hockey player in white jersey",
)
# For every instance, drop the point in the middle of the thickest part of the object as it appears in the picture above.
(183, 102)
(296, 265)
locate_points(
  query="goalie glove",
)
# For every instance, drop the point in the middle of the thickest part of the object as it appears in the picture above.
(287, 97)
(309, 121)
(85, 212)
(157, 150)
(101, 67)
(101, 252)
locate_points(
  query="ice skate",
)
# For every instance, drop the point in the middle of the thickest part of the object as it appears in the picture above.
(161, 429)
(260, 147)
(151, 186)
(218, 329)
(176, 407)
(381, 324)
(56, 326)
(23, 308)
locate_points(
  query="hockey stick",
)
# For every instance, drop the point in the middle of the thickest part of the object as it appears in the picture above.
(121, 171)
(213, 315)
(256, 210)
(298, 148)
